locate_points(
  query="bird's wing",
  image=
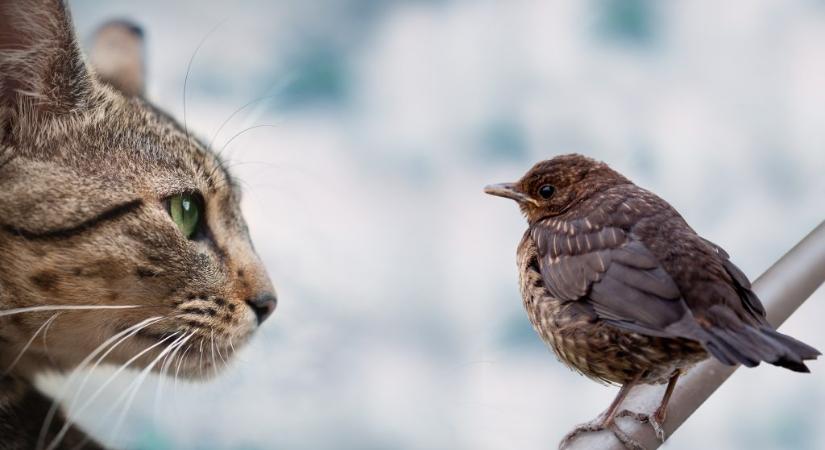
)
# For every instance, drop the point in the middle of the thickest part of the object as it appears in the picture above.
(750, 300)
(617, 275)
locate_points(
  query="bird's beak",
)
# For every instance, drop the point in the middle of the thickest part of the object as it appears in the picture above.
(508, 190)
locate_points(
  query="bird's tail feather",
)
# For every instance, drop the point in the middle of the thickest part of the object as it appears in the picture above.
(750, 345)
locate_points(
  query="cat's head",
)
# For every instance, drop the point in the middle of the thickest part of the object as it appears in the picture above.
(106, 202)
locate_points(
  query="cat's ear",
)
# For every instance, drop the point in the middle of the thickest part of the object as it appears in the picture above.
(41, 67)
(117, 56)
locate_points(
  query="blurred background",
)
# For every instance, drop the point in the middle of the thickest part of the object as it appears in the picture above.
(364, 132)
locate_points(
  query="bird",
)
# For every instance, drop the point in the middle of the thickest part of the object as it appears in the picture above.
(625, 292)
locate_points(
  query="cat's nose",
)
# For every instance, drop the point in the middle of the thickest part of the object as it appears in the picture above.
(263, 305)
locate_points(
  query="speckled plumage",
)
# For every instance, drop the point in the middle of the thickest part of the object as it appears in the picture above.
(590, 346)
(624, 291)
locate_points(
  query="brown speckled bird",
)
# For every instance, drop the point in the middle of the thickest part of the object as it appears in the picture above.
(624, 291)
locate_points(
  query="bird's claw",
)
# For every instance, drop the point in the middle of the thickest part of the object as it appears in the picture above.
(599, 425)
(653, 419)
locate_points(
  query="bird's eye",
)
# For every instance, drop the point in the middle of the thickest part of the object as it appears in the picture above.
(546, 191)
(185, 211)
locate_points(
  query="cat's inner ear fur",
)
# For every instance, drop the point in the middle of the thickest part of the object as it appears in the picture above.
(42, 70)
(117, 56)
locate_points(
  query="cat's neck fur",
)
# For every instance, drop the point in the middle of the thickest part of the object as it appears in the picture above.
(22, 411)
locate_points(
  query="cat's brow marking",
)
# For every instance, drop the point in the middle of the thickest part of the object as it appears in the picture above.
(65, 233)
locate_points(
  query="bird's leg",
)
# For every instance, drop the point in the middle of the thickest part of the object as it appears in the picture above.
(606, 421)
(657, 420)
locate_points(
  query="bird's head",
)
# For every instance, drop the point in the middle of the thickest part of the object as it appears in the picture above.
(554, 186)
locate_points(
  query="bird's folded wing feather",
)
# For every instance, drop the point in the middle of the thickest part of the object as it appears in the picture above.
(617, 275)
(743, 286)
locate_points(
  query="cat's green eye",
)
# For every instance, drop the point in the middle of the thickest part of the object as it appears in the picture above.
(185, 212)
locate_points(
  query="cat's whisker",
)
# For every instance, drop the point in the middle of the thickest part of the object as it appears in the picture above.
(231, 165)
(181, 358)
(251, 119)
(285, 82)
(102, 358)
(175, 383)
(138, 383)
(125, 365)
(167, 362)
(9, 312)
(212, 346)
(244, 131)
(164, 367)
(41, 440)
(56, 441)
(200, 359)
(46, 344)
(235, 353)
(220, 152)
(117, 339)
(258, 112)
(28, 344)
(226, 359)
(79, 370)
(218, 350)
(267, 164)
(189, 70)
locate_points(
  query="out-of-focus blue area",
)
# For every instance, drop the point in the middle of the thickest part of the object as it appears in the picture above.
(377, 123)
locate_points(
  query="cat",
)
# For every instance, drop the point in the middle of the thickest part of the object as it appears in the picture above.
(121, 236)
